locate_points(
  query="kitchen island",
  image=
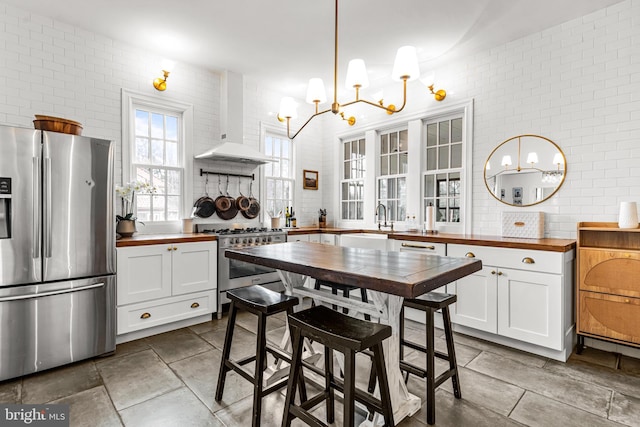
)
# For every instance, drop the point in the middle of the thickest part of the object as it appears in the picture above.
(390, 276)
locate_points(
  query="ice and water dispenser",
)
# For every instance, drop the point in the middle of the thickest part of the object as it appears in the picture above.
(5, 208)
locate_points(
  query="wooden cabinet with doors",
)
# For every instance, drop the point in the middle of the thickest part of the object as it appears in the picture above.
(608, 295)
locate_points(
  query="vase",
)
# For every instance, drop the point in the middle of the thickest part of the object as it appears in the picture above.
(628, 217)
(126, 227)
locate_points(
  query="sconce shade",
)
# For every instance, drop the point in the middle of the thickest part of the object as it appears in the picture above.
(532, 158)
(429, 79)
(315, 92)
(288, 108)
(357, 74)
(558, 159)
(506, 161)
(406, 64)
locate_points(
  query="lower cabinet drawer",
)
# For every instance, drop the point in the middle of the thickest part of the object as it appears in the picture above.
(135, 317)
(610, 316)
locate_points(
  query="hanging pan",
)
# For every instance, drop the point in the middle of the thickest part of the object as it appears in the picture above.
(254, 206)
(222, 202)
(242, 202)
(233, 209)
(204, 206)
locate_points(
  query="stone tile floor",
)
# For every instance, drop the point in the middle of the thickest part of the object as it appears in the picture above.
(169, 380)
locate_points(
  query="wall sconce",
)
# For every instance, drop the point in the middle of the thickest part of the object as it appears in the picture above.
(161, 83)
(439, 94)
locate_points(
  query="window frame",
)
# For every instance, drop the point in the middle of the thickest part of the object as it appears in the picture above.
(395, 177)
(362, 180)
(266, 131)
(131, 100)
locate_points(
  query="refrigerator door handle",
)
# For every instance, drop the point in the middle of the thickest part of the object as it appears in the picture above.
(51, 293)
(47, 207)
(36, 210)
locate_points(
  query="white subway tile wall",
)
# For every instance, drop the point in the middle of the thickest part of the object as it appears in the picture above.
(577, 83)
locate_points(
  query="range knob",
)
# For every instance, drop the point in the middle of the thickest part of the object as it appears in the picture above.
(269, 238)
(264, 240)
(250, 241)
(244, 240)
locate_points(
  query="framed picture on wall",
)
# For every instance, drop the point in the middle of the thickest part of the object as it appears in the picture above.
(310, 180)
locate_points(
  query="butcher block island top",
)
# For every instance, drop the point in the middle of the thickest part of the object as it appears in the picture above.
(404, 274)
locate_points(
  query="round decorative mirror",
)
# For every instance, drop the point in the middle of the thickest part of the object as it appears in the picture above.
(525, 170)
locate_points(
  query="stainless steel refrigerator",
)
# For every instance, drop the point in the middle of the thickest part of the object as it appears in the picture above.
(57, 250)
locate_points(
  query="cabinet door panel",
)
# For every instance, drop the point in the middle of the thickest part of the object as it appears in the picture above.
(610, 316)
(194, 267)
(610, 271)
(144, 273)
(529, 307)
(477, 298)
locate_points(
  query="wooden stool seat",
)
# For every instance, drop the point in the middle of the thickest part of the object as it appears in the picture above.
(259, 299)
(336, 331)
(263, 303)
(429, 304)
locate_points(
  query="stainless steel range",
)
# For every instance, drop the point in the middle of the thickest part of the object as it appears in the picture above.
(236, 274)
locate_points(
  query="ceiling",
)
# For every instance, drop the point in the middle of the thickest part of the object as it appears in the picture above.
(283, 43)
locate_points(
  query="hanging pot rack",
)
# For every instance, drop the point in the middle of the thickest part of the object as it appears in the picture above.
(204, 172)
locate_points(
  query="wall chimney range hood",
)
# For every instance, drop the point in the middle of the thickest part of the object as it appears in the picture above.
(232, 127)
(234, 152)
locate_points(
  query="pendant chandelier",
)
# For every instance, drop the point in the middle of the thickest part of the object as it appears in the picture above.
(405, 69)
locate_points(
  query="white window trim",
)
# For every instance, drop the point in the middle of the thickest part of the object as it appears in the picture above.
(129, 98)
(413, 177)
(274, 130)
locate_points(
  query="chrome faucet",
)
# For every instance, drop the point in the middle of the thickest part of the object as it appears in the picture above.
(385, 217)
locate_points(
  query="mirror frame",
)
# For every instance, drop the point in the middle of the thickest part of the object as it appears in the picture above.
(564, 175)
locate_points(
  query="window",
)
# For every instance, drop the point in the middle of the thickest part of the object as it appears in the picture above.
(443, 170)
(392, 181)
(279, 175)
(352, 186)
(157, 160)
(157, 148)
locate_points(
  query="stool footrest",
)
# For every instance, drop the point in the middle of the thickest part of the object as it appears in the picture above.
(423, 349)
(422, 373)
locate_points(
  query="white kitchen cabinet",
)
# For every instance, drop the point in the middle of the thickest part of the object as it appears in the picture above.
(519, 294)
(160, 284)
(314, 238)
(328, 239)
(298, 238)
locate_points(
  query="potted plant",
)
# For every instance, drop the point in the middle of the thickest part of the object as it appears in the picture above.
(127, 222)
(322, 219)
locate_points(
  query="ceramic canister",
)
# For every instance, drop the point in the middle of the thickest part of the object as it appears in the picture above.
(628, 215)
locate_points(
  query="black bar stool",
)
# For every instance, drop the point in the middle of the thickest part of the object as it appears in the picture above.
(348, 335)
(432, 302)
(263, 303)
(346, 291)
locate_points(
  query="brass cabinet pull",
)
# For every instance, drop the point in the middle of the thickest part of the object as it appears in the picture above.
(493, 272)
(195, 305)
(175, 248)
(169, 248)
(528, 260)
(518, 224)
(470, 255)
(145, 315)
(407, 245)
(500, 273)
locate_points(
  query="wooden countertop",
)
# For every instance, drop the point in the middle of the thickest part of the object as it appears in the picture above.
(548, 244)
(552, 245)
(399, 273)
(160, 239)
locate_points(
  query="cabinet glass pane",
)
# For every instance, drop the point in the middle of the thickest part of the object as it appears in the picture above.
(382, 189)
(429, 186)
